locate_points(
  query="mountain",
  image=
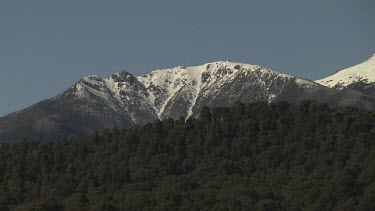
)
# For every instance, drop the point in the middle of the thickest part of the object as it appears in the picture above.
(90, 104)
(123, 100)
(183, 91)
(360, 77)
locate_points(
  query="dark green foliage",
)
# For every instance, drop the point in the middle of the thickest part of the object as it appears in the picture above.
(252, 157)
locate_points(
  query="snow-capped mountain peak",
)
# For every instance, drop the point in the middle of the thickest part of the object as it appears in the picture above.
(182, 91)
(189, 86)
(166, 85)
(362, 73)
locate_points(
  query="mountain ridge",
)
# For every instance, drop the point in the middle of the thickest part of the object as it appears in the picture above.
(123, 100)
(168, 82)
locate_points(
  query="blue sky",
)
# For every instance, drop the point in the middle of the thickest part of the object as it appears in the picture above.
(47, 45)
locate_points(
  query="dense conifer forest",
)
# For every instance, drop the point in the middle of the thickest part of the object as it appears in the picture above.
(260, 156)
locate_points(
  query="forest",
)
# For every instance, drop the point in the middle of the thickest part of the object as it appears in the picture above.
(258, 156)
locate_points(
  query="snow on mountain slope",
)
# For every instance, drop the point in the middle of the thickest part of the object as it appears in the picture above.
(226, 82)
(181, 91)
(174, 92)
(364, 72)
(122, 95)
(164, 85)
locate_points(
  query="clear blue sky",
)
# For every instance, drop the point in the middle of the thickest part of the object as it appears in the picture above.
(47, 45)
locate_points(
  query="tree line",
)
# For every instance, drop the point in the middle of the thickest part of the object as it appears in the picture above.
(259, 156)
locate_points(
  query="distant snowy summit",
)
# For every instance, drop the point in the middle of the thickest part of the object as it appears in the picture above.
(360, 77)
(124, 100)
